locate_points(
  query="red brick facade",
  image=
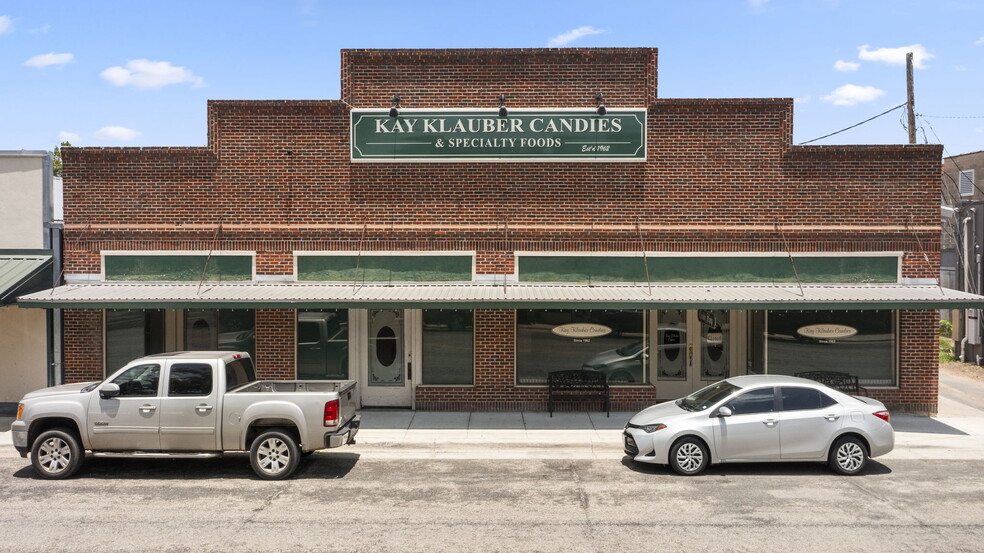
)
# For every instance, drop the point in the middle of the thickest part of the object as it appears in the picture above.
(276, 178)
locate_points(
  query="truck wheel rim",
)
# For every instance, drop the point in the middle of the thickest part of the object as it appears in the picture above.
(849, 456)
(689, 457)
(273, 455)
(54, 455)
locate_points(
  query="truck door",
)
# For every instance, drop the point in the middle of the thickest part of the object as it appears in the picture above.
(131, 420)
(189, 407)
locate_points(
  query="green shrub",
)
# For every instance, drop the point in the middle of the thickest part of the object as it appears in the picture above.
(946, 329)
(946, 350)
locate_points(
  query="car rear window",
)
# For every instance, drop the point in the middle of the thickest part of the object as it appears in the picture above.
(239, 372)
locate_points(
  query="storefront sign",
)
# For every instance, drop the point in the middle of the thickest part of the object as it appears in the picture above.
(481, 135)
(826, 331)
(581, 330)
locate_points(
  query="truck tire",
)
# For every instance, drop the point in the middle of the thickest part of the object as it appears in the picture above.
(274, 454)
(56, 454)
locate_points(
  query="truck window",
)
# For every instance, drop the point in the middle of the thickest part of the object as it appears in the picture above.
(141, 380)
(239, 372)
(190, 379)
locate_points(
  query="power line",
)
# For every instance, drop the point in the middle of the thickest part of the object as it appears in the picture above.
(855, 125)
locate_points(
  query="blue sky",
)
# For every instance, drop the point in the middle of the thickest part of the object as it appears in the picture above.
(136, 73)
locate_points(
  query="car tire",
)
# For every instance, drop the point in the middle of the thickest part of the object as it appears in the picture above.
(848, 456)
(56, 454)
(274, 454)
(689, 456)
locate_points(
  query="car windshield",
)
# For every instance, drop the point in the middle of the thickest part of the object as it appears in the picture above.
(629, 350)
(706, 397)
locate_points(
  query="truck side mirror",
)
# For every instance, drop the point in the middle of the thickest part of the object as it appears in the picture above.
(109, 390)
(724, 412)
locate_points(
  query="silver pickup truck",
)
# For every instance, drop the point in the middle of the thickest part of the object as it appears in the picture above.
(186, 405)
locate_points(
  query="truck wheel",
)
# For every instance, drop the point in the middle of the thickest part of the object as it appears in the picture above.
(274, 455)
(56, 454)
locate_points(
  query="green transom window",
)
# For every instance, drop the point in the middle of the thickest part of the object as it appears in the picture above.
(385, 268)
(156, 268)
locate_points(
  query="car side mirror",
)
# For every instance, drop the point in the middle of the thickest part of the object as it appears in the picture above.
(109, 390)
(724, 412)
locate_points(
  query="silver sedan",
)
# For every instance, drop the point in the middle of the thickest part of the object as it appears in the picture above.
(759, 418)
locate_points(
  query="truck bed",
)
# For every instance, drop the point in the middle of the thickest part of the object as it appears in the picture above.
(340, 386)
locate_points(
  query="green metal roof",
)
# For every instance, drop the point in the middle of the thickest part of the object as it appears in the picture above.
(17, 271)
(294, 295)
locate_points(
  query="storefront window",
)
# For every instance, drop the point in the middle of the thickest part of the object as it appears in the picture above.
(131, 334)
(860, 343)
(756, 342)
(220, 329)
(447, 347)
(609, 341)
(322, 344)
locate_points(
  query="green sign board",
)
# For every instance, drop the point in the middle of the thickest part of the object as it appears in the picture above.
(482, 135)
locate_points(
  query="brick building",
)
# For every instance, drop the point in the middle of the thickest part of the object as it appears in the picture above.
(462, 222)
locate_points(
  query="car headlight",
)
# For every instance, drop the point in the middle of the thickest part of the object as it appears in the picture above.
(650, 428)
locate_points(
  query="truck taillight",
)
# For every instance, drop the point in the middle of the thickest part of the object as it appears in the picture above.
(883, 415)
(331, 413)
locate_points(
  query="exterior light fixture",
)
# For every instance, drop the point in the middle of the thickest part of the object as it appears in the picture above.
(600, 98)
(395, 109)
(503, 112)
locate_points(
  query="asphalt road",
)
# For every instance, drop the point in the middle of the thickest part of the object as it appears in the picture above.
(352, 502)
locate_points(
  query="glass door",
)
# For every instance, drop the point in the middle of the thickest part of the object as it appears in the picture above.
(694, 347)
(387, 382)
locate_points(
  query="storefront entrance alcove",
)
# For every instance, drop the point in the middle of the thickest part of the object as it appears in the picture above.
(696, 347)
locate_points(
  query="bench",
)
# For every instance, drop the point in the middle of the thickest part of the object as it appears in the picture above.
(577, 385)
(842, 382)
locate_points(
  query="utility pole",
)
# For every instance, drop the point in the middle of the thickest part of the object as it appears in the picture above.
(910, 98)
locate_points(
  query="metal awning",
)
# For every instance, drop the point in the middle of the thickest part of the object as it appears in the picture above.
(21, 273)
(299, 295)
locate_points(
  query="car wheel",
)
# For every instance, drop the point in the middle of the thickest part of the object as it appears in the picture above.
(56, 454)
(848, 456)
(274, 455)
(689, 457)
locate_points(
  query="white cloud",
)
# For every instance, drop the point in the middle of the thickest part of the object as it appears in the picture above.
(896, 56)
(979, 41)
(851, 94)
(150, 74)
(121, 134)
(757, 3)
(44, 60)
(802, 99)
(66, 136)
(842, 65)
(564, 39)
(6, 25)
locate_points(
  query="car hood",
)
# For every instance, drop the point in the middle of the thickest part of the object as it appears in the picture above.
(658, 413)
(64, 389)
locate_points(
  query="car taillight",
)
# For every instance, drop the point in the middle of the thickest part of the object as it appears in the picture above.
(883, 415)
(331, 413)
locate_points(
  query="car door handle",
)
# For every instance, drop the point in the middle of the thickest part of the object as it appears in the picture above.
(148, 408)
(832, 417)
(769, 422)
(203, 408)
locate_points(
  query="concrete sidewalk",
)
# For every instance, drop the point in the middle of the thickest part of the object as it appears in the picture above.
(957, 433)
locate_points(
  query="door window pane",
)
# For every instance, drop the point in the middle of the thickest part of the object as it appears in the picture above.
(859, 343)
(131, 334)
(139, 381)
(447, 356)
(322, 344)
(671, 345)
(239, 372)
(386, 347)
(189, 379)
(755, 401)
(715, 343)
(612, 342)
(800, 399)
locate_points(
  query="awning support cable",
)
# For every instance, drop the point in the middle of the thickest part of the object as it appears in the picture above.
(645, 260)
(215, 239)
(61, 273)
(358, 257)
(925, 257)
(785, 244)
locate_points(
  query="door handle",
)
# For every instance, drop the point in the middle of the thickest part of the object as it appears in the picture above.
(832, 417)
(148, 408)
(690, 356)
(203, 408)
(769, 422)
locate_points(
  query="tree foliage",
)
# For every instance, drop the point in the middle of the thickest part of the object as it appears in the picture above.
(56, 161)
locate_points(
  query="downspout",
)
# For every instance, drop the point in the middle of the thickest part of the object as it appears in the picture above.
(967, 281)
